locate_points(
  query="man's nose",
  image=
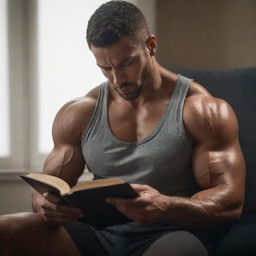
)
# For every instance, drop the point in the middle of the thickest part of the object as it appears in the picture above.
(118, 77)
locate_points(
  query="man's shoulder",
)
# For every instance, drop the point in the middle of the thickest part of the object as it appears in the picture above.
(206, 116)
(199, 100)
(81, 106)
(74, 116)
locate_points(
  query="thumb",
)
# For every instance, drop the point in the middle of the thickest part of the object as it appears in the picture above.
(52, 198)
(140, 188)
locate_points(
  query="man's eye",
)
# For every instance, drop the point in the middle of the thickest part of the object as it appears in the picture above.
(127, 63)
(106, 69)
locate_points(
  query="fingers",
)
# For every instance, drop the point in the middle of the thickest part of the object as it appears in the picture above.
(56, 213)
(144, 209)
(54, 203)
(54, 217)
(127, 206)
(52, 198)
(64, 209)
(140, 188)
(135, 210)
(124, 202)
(58, 216)
(143, 190)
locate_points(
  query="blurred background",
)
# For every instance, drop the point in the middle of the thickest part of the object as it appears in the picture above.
(45, 62)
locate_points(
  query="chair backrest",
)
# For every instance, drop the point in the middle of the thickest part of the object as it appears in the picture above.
(238, 88)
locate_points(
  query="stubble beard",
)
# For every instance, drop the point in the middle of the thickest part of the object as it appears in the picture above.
(146, 79)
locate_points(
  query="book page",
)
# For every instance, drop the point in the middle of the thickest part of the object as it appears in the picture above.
(96, 184)
(53, 181)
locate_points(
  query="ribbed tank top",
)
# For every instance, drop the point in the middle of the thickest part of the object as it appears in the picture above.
(161, 160)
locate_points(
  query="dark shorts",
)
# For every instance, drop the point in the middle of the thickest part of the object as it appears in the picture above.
(133, 240)
(122, 240)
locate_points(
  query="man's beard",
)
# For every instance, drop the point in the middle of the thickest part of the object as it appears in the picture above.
(131, 90)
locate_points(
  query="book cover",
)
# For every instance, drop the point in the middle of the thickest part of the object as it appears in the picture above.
(89, 196)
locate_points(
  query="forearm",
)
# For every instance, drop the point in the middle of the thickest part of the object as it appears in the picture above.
(202, 211)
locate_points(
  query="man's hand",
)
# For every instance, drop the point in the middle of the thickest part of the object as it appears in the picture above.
(54, 212)
(149, 207)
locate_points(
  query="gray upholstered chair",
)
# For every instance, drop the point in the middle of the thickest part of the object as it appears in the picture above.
(238, 87)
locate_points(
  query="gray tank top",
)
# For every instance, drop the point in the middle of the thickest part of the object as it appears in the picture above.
(161, 160)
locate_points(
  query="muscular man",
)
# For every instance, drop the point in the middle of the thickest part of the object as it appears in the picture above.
(160, 131)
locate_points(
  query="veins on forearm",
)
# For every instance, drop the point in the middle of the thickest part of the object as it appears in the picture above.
(203, 212)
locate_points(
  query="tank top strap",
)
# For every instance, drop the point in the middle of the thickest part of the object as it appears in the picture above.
(175, 111)
(98, 113)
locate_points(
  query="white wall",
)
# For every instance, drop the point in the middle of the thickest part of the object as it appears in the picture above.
(15, 195)
(148, 7)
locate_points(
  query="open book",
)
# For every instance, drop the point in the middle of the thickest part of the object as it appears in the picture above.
(89, 196)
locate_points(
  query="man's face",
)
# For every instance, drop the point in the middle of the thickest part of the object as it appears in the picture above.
(126, 65)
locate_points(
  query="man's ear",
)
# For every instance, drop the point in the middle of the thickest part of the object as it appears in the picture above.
(151, 43)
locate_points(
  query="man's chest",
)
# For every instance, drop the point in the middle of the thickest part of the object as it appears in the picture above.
(129, 124)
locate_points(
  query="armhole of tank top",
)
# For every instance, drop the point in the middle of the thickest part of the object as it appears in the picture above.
(185, 82)
(94, 115)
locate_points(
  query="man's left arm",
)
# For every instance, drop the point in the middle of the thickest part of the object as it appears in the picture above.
(218, 166)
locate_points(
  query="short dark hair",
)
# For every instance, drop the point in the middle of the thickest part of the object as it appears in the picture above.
(113, 20)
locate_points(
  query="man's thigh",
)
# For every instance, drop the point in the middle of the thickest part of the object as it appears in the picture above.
(178, 243)
(239, 239)
(28, 234)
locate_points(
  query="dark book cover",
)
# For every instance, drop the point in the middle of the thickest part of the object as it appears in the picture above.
(92, 201)
(96, 210)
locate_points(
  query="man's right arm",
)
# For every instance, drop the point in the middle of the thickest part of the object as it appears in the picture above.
(65, 160)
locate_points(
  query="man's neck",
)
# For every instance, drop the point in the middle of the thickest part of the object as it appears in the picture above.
(154, 90)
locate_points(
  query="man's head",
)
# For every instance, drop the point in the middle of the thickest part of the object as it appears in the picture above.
(113, 20)
(118, 36)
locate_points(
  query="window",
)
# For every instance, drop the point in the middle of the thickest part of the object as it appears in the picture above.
(4, 92)
(66, 67)
(48, 62)
(45, 62)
